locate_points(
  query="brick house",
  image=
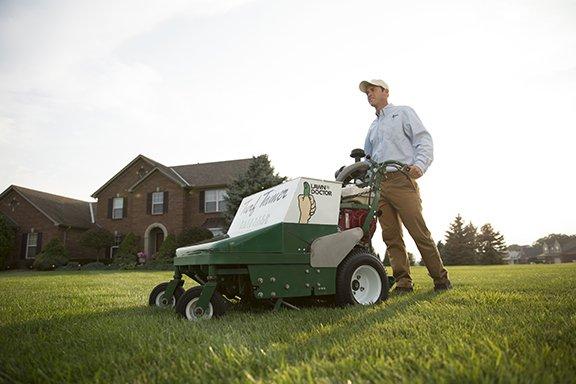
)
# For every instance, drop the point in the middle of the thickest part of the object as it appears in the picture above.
(145, 197)
(152, 200)
(38, 217)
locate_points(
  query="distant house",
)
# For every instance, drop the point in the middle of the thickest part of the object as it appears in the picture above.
(522, 254)
(38, 217)
(152, 200)
(558, 251)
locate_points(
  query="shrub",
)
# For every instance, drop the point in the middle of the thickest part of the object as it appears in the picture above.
(7, 239)
(71, 266)
(95, 266)
(126, 258)
(158, 264)
(54, 255)
(168, 248)
(97, 239)
(193, 235)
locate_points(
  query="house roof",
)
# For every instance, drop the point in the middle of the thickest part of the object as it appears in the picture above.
(212, 174)
(62, 211)
(569, 246)
(190, 175)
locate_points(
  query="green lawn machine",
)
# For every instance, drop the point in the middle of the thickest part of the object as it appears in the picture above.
(302, 238)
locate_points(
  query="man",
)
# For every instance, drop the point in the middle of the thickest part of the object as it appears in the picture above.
(398, 134)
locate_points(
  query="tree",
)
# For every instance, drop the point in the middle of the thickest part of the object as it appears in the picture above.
(7, 238)
(259, 176)
(97, 239)
(411, 258)
(562, 238)
(52, 256)
(471, 241)
(126, 257)
(168, 248)
(460, 245)
(386, 260)
(192, 236)
(491, 245)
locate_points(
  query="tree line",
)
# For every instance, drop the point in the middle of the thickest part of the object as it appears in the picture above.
(465, 244)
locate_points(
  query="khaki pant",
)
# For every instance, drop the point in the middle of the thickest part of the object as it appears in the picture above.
(400, 203)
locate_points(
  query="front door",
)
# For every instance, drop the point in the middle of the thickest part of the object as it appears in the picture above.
(159, 237)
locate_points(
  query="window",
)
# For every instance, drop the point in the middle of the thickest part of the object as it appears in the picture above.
(117, 207)
(114, 248)
(157, 203)
(31, 245)
(214, 200)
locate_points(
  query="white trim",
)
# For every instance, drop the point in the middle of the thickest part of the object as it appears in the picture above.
(147, 235)
(142, 157)
(28, 244)
(185, 182)
(219, 197)
(114, 199)
(91, 213)
(38, 208)
(157, 193)
(136, 184)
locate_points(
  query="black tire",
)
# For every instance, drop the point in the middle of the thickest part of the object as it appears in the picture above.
(353, 291)
(353, 171)
(216, 308)
(155, 299)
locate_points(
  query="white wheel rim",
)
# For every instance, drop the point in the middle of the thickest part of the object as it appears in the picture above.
(160, 298)
(366, 285)
(190, 315)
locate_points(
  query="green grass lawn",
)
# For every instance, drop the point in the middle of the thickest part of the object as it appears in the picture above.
(499, 324)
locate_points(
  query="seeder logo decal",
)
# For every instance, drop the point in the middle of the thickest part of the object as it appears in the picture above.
(306, 204)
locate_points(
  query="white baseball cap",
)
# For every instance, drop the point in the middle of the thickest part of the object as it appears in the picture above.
(379, 83)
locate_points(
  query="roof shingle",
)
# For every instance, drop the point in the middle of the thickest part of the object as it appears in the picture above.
(212, 174)
(62, 210)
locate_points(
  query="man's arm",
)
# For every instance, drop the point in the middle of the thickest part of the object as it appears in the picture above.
(368, 144)
(421, 140)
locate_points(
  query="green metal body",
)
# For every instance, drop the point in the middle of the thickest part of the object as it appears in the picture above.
(269, 263)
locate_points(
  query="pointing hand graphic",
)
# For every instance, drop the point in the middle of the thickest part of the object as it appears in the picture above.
(307, 205)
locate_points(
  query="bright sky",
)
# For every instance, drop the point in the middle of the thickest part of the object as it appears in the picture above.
(86, 86)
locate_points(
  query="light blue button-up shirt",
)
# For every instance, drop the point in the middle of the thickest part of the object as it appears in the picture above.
(398, 134)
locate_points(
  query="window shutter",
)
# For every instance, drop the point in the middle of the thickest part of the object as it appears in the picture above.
(165, 204)
(110, 208)
(149, 203)
(39, 243)
(201, 200)
(124, 207)
(24, 245)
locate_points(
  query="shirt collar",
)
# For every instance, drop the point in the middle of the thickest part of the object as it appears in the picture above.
(384, 110)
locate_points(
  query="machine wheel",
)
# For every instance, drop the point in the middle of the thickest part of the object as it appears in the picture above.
(353, 171)
(157, 298)
(361, 279)
(186, 305)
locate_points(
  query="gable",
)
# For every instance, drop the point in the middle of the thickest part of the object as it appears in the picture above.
(126, 177)
(21, 211)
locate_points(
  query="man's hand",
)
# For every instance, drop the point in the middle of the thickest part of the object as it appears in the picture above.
(414, 171)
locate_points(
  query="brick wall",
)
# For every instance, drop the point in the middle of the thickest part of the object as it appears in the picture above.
(27, 217)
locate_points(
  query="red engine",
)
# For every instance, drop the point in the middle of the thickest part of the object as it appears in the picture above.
(352, 218)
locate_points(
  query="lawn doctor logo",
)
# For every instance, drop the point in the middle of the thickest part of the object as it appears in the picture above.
(307, 202)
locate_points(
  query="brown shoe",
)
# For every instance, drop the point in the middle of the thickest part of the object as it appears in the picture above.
(442, 287)
(403, 290)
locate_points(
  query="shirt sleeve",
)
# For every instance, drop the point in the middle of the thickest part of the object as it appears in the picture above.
(421, 139)
(368, 144)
